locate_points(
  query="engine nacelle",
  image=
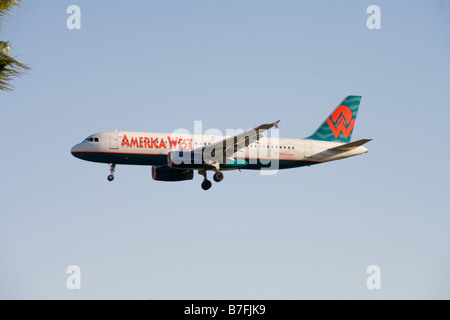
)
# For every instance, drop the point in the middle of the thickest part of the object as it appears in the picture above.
(162, 173)
(185, 159)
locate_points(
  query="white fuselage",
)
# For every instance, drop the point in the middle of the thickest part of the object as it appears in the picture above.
(148, 148)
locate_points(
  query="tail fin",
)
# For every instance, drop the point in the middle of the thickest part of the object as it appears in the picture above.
(338, 126)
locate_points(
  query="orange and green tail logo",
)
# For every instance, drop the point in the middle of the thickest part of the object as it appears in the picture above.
(340, 123)
(341, 120)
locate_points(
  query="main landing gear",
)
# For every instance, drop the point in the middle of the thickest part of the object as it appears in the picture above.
(218, 176)
(206, 184)
(112, 167)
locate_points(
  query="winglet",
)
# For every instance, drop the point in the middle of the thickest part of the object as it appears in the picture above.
(267, 126)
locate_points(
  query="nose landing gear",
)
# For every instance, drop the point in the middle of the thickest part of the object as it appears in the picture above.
(112, 168)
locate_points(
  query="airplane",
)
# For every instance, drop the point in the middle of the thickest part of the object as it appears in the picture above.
(175, 157)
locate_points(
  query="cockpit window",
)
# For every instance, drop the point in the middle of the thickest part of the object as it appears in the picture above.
(91, 139)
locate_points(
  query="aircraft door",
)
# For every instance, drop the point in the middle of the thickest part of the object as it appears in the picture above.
(308, 149)
(114, 140)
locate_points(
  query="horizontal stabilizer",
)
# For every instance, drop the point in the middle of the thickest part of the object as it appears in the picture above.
(350, 146)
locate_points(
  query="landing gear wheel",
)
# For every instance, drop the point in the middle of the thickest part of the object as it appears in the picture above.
(218, 176)
(206, 184)
(112, 167)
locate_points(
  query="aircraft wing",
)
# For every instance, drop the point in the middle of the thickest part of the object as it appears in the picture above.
(226, 147)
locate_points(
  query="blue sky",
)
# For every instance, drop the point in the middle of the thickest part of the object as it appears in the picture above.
(161, 65)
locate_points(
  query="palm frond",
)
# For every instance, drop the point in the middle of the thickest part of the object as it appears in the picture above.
(5, 48)
(9, 68)
(5, 7)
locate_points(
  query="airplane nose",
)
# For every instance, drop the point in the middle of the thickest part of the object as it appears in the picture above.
(75, 149)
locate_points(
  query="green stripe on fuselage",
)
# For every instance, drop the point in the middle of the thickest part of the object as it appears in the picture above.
(281, 164)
